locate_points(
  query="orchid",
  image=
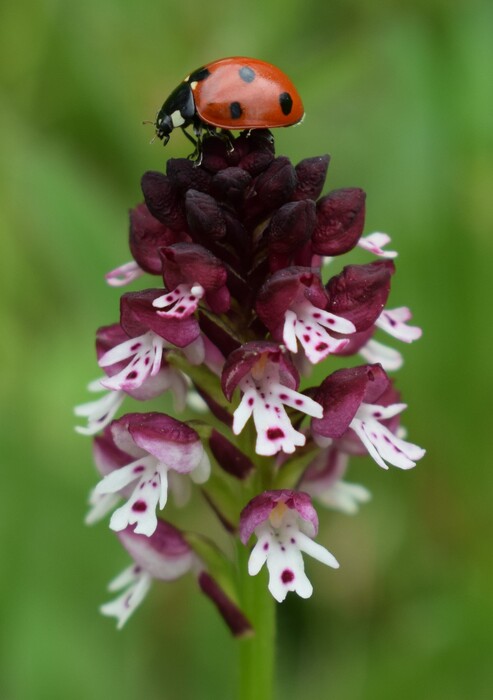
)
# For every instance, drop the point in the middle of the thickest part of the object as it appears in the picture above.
(241, 309)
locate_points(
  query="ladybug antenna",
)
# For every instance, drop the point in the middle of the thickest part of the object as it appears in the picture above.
(148, 121)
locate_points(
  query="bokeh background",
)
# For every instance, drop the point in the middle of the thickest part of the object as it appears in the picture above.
(399, 93)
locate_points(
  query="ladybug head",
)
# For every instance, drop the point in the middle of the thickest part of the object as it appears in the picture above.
(164, 126)
(178, 110)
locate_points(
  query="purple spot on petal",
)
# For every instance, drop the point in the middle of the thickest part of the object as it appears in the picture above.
(135, 347)
(275, 433)
(180, 309)
(147, 360)
(321, 346)
(139, 506)
(250, 401)
(331, 321)
(139, 468)
(191, 298)
(132, 375)
(283, 548)
(283, 397)
(316, 315)
(266, 546)
(267, 405)
(287, 576)
(292, 540)
(299, 402)
(306, 338)
(377, 414)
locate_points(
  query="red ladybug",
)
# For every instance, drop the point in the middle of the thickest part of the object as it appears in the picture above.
(232, 93)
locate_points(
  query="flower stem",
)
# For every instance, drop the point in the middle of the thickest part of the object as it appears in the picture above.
(257, 652)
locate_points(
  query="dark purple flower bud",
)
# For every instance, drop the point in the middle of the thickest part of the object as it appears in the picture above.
(215, 408)
(340, 221)
(229, 611)
(311, 173)
(163, 200)
(204, 215)
(188, 263)
(147, 235)
(230, 185)
(341, 395)
(290, 228)
(138, 315)
(272, 188)
(256, 150)
(229, 457)
(186, 176)
(360, 292)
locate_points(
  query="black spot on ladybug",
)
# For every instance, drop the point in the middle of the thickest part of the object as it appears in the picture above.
(235, 110)
(286, 102)
(198, 75)
(247, 74)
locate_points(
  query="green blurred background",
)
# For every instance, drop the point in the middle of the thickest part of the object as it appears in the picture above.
(400, 95)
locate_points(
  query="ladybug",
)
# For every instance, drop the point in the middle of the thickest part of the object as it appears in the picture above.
(231, 93)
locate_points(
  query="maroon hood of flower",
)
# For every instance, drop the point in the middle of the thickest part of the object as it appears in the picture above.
(340, 221)
(343, 392)
(242, 361)
(356, 342)
(107, 456)
(147, 235)
(350, 443)
(165, 438)
(359, 293)
(165, 555)
(138, 315)
(259, 508)
(190, 263)
(107, 337)
(283, 289)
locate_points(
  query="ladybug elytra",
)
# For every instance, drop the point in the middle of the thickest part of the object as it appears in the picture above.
(232, 93)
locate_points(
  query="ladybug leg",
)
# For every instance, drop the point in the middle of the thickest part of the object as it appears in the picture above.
(226, 136)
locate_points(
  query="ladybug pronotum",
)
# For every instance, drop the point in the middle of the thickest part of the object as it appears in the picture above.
(232, 93)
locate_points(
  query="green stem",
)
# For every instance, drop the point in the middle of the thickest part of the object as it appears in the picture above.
(256, 653)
